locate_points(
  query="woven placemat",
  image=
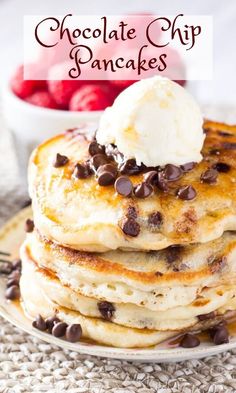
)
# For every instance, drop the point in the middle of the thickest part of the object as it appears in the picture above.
(30, 365)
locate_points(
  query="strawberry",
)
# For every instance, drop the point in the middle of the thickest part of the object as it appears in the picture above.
(121, 84)
(22, 87)
(59, 87)
(43, 99)
(90, 98)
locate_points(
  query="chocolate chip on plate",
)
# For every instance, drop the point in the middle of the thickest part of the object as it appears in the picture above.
(151, 177)
(186, 193)
(209, 176)
(73, 332)
(124, 186)
(106, 309)
(221, 167)
(219, 334)
(172, 172)
(143, 190)
(59, 329)
(39, 323)
(188, 166)
(98, 160)
(129, 167)
(189, 341)
(12, 293)
(204, 317)
(51, 321)
(130, 227)
(81, 171)
(96, 148)
(60, 160)
(155, 219)
(29, 225)
(107, 174)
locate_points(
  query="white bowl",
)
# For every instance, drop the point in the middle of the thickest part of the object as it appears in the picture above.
(33, 124)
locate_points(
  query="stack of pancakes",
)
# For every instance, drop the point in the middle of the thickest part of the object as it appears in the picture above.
(131, 270)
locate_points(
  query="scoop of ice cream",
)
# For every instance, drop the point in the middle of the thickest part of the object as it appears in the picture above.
(155, 121)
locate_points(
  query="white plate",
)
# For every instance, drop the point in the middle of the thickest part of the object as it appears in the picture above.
(11, 235)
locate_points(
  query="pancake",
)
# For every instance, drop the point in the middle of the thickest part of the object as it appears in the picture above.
(83, 215)
(157, 280)
(43, 293)
(126, 314)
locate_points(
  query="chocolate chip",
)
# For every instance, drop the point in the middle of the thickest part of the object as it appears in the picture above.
(124, 186)
(161, 182)
(39, 323)
(172, 172)
(220, 335)
(214, 152)
(159, 274)
(81, 171)
(204, 317)
(12, 293)
(187, 193)
(130, 227)
(51, 321)
(173, 253)
(224, 133)
(189, 341)
(229, 145)
(143, 190)
(151, 177)
(16, 264)
(132, 212)
(12, 281)
(29, 225)
(73, 332)
(59, 329)
(98, 160)
(130, 167)
(60, 160)
(96, 148)
(15, 275)
(107, 175)
(188, 166)
(221, 167)
(155, 219)
(5, 267)
(106, 309)
(209, 176)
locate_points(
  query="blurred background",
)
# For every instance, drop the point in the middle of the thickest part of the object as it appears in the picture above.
(222, 90)
(216, 97)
